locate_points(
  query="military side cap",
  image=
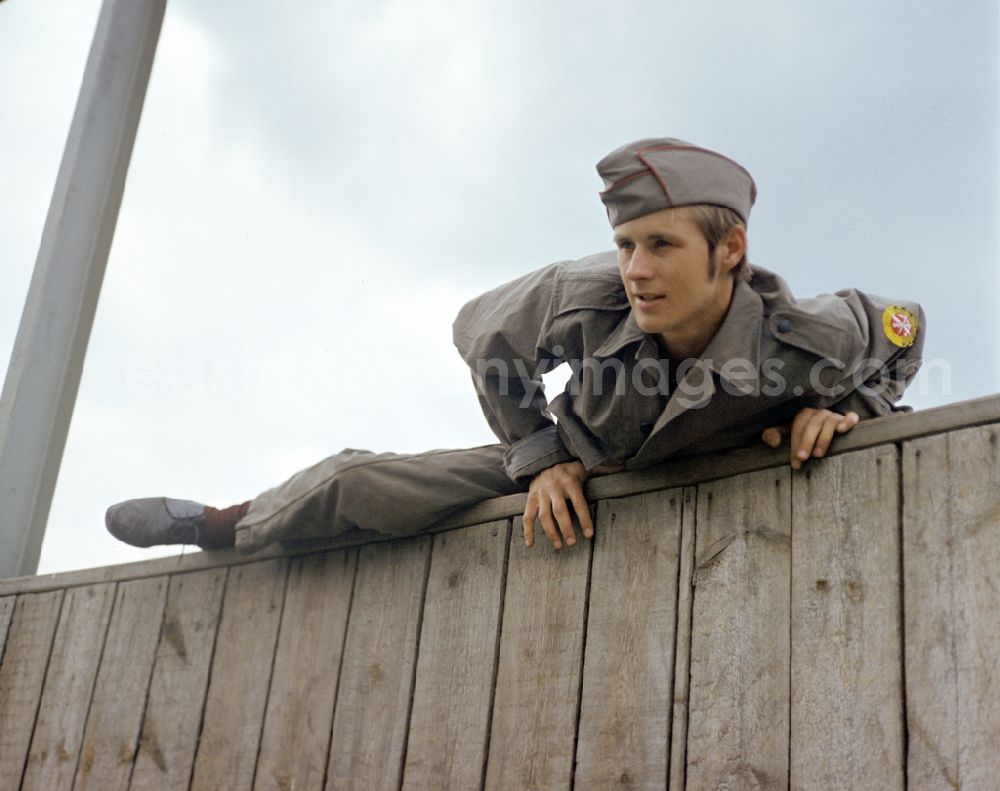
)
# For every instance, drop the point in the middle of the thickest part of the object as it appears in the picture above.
(660, 173)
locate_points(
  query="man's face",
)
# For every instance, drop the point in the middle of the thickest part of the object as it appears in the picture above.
(663, 259)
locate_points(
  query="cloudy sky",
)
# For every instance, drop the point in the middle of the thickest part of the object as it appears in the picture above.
(316, 190)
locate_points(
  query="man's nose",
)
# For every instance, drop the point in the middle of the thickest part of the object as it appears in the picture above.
(638, 266)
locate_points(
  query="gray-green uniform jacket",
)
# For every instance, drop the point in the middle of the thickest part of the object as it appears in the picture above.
(621, 404)
(772, 356)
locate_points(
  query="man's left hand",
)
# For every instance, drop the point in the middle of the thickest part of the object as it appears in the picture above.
(811, 432)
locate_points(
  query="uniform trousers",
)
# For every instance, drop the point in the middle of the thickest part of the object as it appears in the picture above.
(383, 493)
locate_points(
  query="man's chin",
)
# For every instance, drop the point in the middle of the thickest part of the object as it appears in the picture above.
(652, 326)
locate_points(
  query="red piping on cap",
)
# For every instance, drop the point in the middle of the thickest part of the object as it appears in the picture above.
(753, 185)
(656, 175)
(628, 178)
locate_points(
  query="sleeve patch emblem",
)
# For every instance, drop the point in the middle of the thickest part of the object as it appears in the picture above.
(899, 325)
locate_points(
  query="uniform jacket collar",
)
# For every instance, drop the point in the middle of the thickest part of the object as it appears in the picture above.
(625, 334)
(737, 339)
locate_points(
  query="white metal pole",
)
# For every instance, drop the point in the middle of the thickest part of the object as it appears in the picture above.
(44, 374)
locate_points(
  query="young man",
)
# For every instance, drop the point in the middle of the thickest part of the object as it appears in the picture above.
(676, 347)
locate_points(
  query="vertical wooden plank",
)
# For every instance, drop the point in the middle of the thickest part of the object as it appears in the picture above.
(738, 721)
(177, 688)
(6, 611)
(22, 673)
(951, 554)
(69, 684)
(241, 670)
(847, 705)
(112, 731)
(376, 677)
(682, 651)
(306, 667)
(538, 678)
(624, 731)
(458, 642)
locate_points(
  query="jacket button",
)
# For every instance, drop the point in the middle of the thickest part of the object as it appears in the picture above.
(645, 428)
(784, 325)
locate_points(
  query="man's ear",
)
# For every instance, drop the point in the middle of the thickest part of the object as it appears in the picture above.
(732, 248)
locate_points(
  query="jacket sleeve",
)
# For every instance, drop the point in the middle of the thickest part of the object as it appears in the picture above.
(503, 337)
(877, 379)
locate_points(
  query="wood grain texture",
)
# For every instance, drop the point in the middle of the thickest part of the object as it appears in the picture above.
(740, 653)
(556, 658)
(69, 684)
(241, 670)
(172, 719)
(293, 750)
(682, 650)
(538, 678)
(140, 569)
(6, 613)
(951, 557)
(847, 703)
(453, 693)
(22, 674)
(111, 734)
(376, 677)
(624, 730)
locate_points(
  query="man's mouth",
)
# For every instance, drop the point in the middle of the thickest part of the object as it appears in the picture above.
(648, 300)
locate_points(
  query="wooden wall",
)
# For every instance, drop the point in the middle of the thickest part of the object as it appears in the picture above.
(835, 628)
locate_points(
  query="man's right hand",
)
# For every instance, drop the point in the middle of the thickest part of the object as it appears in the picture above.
(548, 495)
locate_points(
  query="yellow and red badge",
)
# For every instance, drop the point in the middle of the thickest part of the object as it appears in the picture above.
(899, 325)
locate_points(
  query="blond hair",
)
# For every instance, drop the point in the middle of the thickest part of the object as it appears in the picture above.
(714, 222)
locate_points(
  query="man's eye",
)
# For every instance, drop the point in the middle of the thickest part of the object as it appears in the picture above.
(625, 245)
(659, 244)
